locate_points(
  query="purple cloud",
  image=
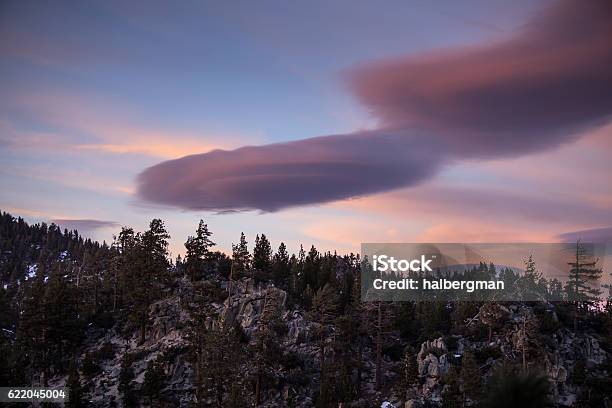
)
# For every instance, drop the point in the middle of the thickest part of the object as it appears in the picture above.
(84, 225)
(529, 93)
(597, 235)
(282, 175)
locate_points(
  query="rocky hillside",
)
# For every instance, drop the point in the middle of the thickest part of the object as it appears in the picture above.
(122, 325)
(565, 357)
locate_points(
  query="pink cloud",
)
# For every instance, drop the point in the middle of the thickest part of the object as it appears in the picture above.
(474, 231)
(444, 202)
(523, 94)
(84, 225)
(106, 126)
(287, 174)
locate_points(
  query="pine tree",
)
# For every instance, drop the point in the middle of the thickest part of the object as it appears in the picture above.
(198, 330)
(89, 284)
(115, 266)
(528, 343)
(126, 375)
(470, 377)
(262, 254)
(344, 357)
(221, 378)
(451, 394)
(154, 380)
(530, 270)
(126, 242)
(411, 373)
(7, 318)
(241, 258)
(555, 290)
(312, 264)
(281, 267)
(378, 322)
(75, 390)
(197, 248)
(491, 314)
(360, 315)
(531, 284)
(154, 243)
(33, 326)
(214, 351)
(325, 305)
(149, 272)
(297, 284)
(510, 389)
(583, 284)
(265, 340)
(435, 318)
(64, 329)
(384, 320)
(90, 366)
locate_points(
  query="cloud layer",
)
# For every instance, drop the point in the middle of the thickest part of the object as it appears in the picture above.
(281, 175)
(84, 225)
(600, 235)
(531, 92)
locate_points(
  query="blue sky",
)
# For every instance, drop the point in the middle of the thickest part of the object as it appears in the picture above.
(93, 93)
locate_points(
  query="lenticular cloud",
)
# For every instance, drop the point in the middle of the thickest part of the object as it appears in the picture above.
(281, 175)
(531, 92)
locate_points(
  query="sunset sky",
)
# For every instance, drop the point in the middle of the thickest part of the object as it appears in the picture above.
(401, 121)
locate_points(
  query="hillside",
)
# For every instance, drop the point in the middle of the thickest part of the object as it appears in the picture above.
(122, 325)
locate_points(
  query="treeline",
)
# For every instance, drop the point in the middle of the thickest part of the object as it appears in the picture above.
(22, 245)
(583, 283)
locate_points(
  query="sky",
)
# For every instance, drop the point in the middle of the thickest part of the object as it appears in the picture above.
(325, 123)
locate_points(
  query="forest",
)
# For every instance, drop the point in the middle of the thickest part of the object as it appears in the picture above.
(121, 324)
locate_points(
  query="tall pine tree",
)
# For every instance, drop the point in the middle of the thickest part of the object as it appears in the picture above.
(197, 249)
(281, 266)
(583, 283)
(262, 254)
(149, 275)
(241, 258)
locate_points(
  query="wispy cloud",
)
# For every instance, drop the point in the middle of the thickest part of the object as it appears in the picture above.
(84, 225)
(82, 122)
(80, 224)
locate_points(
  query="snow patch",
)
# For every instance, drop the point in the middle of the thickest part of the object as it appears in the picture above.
(31, 273)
